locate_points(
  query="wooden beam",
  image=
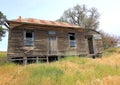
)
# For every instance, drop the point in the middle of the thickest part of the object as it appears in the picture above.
(25, 60)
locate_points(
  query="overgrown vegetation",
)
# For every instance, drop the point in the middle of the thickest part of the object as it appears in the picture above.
(110, 51)
(3, 58)
(68, 71)
(3, 54)
(110, 41)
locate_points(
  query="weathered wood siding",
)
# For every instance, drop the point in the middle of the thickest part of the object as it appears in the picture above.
(82, 44)
(41, 42)
(97, 43)
(16, 47)
(15, 43)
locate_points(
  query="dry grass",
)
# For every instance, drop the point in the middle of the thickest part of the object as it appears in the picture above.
(3, 54)
(113, 60)
(69, 71)
(3, 57)
(109, 80)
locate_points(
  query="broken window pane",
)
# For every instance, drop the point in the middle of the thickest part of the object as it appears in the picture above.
(28, 38)
(72, 42)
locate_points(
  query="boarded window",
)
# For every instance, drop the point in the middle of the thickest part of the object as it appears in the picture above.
(72, 42)
(28, 38)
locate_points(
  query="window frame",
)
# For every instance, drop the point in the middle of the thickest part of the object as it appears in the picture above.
(73, 41)
(28, 39)
(52, 32)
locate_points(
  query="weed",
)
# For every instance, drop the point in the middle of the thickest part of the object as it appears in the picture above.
(3, 54)
(68, 71)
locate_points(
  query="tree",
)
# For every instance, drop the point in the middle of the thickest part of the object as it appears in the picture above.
(110, 40)
(2, 22)
(80, 15)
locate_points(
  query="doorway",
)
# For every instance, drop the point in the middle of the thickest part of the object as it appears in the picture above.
(52, 45)
(90, 45)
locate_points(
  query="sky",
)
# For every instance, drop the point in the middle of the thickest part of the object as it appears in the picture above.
(53, 9)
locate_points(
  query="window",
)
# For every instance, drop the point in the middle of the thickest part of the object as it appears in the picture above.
(72, 42)
(28, 38)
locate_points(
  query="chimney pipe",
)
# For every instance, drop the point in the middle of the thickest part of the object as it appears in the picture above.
(19, 18)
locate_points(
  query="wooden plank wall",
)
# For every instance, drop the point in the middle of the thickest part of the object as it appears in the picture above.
(41, 43)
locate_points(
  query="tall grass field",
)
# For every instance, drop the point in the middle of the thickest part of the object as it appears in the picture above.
(3, 57)
(3, 54)
(68, 71)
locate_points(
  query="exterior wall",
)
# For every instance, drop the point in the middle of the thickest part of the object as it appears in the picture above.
(82, 44)
(97, 43)
(15, 42)
(16, 46)
(62, 42)
(41, 42)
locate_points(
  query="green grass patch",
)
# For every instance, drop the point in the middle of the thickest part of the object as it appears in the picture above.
(45, 71)
(75, 59)
(3, 58)
(42, 72)
(110, 51)
(3, 54)
(106, 70)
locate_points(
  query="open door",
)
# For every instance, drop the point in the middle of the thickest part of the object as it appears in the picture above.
(52, 45)
(90, 45)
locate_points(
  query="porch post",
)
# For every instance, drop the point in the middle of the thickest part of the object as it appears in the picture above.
(25, 60)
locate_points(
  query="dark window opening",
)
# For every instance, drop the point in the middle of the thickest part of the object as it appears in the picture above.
(28, 38)
(72, 42)
(28, 34)
(72, 36)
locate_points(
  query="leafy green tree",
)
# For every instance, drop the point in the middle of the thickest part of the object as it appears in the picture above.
(81, 16)
(2, 22)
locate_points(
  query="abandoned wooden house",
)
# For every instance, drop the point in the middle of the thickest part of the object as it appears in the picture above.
(40, 40)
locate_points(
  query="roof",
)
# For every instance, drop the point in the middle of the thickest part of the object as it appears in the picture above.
(42, 22)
